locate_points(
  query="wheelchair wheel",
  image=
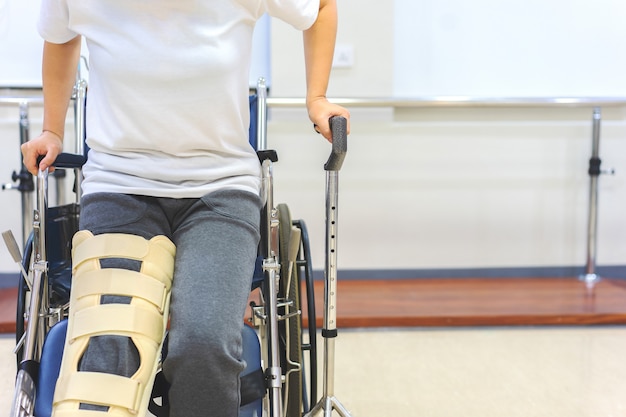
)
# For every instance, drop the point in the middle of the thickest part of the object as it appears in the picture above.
(291, 327)
(305, 271)
(23, 294)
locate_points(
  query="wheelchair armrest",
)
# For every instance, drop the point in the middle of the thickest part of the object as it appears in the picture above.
(339, 129)
(67, 160)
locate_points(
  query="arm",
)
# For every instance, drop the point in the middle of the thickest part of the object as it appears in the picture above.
(59, 76)
(319, 47)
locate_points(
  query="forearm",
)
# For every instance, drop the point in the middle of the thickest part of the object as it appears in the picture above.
(319, 47)
(59, 76)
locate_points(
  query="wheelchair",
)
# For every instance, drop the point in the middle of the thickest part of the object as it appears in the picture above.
(281, 374)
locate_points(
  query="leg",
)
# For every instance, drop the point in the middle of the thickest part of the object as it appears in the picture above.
(103, 342)
(216, 241)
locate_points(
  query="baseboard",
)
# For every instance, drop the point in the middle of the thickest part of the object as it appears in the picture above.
(609, 271)
(8, 279)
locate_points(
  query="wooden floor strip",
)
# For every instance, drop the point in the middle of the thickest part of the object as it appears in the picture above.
(452, 302)
(8, 302)
(477, 302)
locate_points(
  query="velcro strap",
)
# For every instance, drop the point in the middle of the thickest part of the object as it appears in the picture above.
(117, 319)
(99, 389)
(114, 245)
(92, 413)
(121, 282)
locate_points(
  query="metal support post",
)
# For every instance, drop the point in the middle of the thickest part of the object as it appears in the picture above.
(590, 276)
(23, 181)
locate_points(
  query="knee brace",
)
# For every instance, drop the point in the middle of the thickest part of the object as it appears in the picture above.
(143, 320)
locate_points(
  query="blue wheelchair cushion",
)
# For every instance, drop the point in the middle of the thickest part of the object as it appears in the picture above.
(49, 368)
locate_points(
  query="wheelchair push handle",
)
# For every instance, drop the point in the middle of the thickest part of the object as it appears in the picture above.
(339, 130)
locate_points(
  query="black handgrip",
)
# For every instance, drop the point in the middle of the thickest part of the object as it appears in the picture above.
(66, 160)
(339, 130)
(70, 160)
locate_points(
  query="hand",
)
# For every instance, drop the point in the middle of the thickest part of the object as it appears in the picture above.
(320, 111)
(48, 144)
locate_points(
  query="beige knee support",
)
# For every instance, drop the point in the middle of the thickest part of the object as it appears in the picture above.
(144, 320)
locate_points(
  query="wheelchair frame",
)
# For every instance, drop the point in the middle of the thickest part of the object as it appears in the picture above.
(277, 319)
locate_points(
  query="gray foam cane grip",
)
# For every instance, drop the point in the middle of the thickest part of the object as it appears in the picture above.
(339, 129)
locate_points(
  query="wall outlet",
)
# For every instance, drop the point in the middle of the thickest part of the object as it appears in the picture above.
(344, 56)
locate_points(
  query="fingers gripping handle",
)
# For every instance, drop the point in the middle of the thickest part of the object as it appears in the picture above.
(339, 129)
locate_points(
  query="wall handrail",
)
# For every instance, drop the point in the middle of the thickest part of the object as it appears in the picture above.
(410, 102)
(457, 101)
(20, 100)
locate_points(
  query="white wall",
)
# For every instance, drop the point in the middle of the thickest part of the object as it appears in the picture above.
(426, 188)
(20, 44)
(510, 48)
(445, 188)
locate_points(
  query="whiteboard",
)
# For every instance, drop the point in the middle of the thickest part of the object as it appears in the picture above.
(510, 48)
(21, 46)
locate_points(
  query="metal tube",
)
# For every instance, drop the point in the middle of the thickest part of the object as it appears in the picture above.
(40, 216)
(274, 373)
(330, 319)
(261, 132)
(592, 222)
(80, 109)
(32, 333)
(330, 284)
(26, 182)
(80, 102)
(41, 257)
(19, 99)
(456, 101)
(437, 101)
(329, 403)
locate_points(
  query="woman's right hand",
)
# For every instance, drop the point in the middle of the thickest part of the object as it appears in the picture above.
(48, 144)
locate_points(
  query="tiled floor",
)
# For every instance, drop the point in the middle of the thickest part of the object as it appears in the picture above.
(470, 372)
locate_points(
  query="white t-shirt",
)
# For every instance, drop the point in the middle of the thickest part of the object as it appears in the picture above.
(167, 111)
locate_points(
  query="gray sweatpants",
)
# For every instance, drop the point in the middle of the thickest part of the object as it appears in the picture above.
(216, 240)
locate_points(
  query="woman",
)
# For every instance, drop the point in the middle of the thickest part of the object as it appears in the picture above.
(170, 172)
